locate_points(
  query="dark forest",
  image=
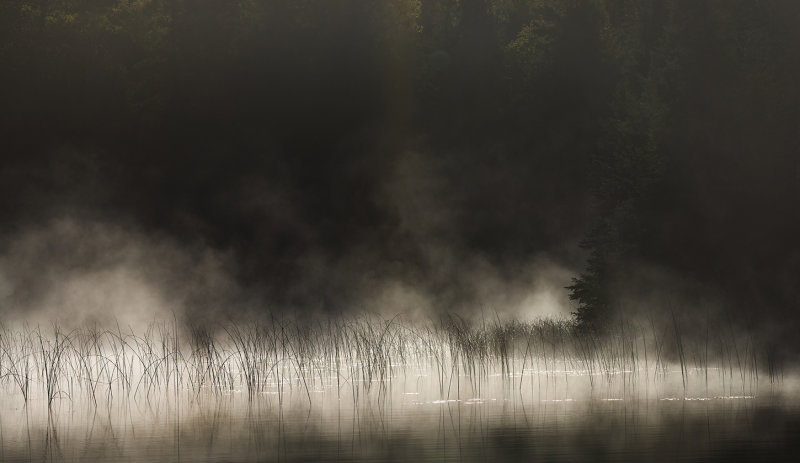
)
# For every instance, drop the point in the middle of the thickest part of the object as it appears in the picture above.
(647, 150)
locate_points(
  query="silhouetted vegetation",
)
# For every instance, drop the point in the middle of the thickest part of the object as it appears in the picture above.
(357, 355)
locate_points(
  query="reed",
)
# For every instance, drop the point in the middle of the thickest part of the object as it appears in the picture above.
(362, 355)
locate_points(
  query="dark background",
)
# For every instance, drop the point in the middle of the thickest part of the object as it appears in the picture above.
(323, 148)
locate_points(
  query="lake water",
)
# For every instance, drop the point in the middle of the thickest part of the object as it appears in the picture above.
(533, 416)
(381, 391)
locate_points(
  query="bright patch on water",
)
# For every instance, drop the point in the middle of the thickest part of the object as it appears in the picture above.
(125, 398)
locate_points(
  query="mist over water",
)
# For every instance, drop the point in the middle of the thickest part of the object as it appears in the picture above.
(475, 429)
(76, 272)
(366, 388)
(469, 230)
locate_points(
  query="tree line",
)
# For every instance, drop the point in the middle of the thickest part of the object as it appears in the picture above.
(664, 132)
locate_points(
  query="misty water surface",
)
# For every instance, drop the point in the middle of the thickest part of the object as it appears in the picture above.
(540, 403)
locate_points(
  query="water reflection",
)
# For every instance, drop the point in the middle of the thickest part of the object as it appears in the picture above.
(548, 418)
(365, 391)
